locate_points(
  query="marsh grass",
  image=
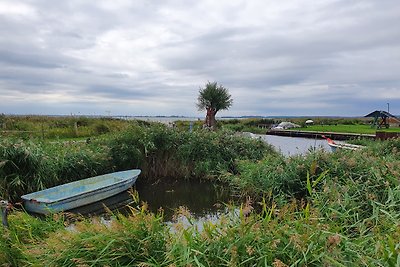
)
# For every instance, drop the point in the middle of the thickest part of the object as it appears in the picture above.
(321, 209)
(28, 166)
(161, 153)
(291, 234)
(47, 127)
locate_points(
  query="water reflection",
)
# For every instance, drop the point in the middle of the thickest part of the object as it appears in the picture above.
(200, 198)
(203, 200)
(290, 146)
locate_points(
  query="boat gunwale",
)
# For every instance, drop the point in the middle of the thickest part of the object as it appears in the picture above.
(345, 146)
(31, 196)
(51, 207)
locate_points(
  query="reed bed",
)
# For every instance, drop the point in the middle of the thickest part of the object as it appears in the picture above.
(292, 234)
(160, 152)
(320, 209)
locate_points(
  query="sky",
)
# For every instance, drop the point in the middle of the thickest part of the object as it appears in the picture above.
(123, 57)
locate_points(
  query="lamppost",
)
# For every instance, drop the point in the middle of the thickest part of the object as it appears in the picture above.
(388, 106)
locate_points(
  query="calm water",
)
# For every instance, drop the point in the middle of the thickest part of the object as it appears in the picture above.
(204, 200)
(290, 146)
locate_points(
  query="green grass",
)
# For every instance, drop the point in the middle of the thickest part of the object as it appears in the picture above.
(319, 209)
(160, 152)
(50, 128)
(340, 128)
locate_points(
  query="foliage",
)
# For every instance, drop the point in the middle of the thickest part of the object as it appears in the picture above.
(214, 96)
(321, 209)
(160, 152)
(44, 127)
(318, 209)
(27, 166)
(164, 152)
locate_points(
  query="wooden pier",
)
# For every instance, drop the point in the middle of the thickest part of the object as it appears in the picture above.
(318, 135)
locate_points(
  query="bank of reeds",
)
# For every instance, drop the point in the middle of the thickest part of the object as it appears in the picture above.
(321, 209)
(292, 234)
(163, 152)
(160, 152)
(58, 127)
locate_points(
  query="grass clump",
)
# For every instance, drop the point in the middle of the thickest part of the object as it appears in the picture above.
(319, 209)
(161, 153)
(126, 241)
(27, 166)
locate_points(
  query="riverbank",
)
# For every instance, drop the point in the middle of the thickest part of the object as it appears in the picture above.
(319, 135)
(317, 209)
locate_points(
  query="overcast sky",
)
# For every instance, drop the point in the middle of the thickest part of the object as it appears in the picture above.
(126, 57)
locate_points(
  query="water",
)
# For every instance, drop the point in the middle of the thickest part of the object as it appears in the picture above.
(290, 146)
(204, 200)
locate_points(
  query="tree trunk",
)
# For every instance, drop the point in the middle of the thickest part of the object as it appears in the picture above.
(210, 121)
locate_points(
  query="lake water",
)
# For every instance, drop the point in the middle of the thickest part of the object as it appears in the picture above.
(290, 146)
(204, 200)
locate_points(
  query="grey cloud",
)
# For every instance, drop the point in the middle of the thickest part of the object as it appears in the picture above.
(352, 48)
(27, 60)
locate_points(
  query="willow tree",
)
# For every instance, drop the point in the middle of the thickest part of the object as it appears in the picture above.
(213, 98)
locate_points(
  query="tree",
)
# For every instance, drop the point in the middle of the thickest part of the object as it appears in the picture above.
(213, 98)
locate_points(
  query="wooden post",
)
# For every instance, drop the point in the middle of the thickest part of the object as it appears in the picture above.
(4, 212)
(76, 128)
(42, 131)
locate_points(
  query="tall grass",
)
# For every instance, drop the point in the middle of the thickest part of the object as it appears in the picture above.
(45, 127)
(293, 234)
(160, 152)
(321, 209)
(27, 166)
(165, 152)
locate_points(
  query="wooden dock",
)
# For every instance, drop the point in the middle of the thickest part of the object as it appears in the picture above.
(318, 135)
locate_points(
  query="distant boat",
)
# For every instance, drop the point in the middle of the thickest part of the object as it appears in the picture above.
(334, 146)
(79, 193)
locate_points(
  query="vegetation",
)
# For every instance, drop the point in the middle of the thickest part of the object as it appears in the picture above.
(319, 209)
(46, 127)
(342, 128)
(213, 98)
(160, 152)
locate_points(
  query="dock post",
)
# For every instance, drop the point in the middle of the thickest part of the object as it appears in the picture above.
(4, 212)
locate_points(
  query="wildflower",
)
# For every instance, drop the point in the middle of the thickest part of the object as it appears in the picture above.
(248, 208)
(275, 243)
(249, 250)
(333, 241)
(279, 263)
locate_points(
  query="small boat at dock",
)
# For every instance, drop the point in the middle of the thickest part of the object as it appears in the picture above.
(335, 146)
(79, 193)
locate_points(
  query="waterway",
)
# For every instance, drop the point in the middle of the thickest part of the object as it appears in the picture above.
(290, 146)
(204, 200)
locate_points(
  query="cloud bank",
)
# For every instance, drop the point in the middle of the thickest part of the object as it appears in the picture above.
(125, 57)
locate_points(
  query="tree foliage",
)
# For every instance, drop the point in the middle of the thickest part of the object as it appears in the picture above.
(215, 97)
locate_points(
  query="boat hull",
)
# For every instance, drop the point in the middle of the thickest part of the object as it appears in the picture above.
(79, 193)
(335, 146)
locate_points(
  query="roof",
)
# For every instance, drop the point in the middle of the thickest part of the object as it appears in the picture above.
(380, 113)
